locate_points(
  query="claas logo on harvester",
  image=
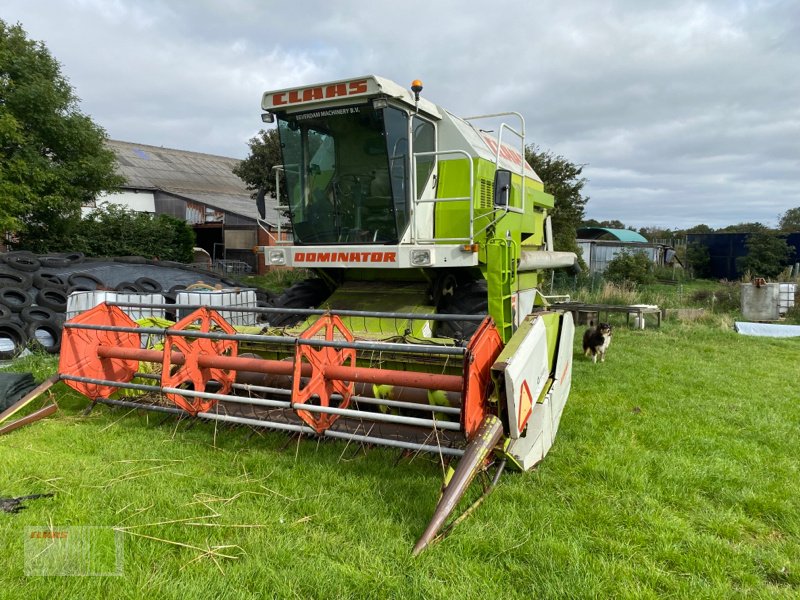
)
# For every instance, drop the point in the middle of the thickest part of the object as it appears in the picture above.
(327, 92)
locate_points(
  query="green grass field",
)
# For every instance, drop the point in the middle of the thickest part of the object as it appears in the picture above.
(675, 474)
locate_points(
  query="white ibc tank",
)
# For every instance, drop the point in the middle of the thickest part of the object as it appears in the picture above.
(229, 298)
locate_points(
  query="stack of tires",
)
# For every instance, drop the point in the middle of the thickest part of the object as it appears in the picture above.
(33, 300)
(34, 291)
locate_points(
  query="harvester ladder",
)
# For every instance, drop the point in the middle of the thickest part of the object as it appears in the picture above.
(501, 276)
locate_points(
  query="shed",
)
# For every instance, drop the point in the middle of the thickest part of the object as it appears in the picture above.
(599, 245)
(202, 190)
(607, 233)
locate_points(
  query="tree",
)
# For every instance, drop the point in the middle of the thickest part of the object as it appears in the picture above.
(744, 228)
(654, 234)
(633, 266)
(113, 230)
(701, 228)
(265, 153)
(767, 255)
(53, 158)
(790, 220)
(698, 258)
(563, 180)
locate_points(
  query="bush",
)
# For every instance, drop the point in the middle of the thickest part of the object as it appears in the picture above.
(113, 230)
(726, 298)
(630, 266)
(767, 255)
(699, 259)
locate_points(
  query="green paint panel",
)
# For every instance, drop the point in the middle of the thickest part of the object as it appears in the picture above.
(384, 297)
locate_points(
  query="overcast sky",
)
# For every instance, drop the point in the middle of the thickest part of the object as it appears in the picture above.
(683, 112)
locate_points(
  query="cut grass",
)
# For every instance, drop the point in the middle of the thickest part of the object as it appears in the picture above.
(674, 474)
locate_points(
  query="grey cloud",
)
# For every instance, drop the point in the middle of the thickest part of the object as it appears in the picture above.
(682, 112)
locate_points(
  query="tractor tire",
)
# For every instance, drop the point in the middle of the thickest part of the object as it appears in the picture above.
(49, 339)
(61, 260)
(127, 286)
(308, 293)
(14, 336)
(84, 279)
(45, 279)
(12, 278)
(33, 314)
(151, 286)
(15, 298)
(471, 298)
(22, 261)
(52, 298)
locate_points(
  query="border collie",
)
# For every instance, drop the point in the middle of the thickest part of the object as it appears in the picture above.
(596, 341)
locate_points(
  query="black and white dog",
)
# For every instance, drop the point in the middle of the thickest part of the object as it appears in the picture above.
(596, 341)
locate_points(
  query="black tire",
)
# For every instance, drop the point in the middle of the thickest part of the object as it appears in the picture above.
(59, 260)
(127, 286)
(85, 279)
(23, 262)
(471, 298)
(16, 335)
(52, 298)
(177, 288)
(6, 256)
(15, 298)
(33, 314)
(148, 285)
(54, 262)
(52, 327)
(44, 279)
(309, 293)
(12, 278)
(5, 312)
(265, 297)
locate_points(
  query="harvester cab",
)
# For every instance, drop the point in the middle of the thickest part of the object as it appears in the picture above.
(424, 329)
(387, 188)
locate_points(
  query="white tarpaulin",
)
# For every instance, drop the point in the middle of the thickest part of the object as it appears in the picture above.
(767, 329)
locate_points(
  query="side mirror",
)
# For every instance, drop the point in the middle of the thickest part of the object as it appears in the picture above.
(261, 203)
(502, 187)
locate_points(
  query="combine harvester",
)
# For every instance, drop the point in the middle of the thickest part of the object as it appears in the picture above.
(424, 330)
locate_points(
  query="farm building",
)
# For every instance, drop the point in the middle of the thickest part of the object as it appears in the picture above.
(202, 190)
(725, 248)
(600, 245)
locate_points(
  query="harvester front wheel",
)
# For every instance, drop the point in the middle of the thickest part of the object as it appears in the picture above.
(471, 298)
(308, 293)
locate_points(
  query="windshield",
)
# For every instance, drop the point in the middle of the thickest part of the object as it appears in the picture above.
(346, 171)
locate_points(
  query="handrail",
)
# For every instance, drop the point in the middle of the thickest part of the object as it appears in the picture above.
(521, 136)
(417, 201)
(278, 170)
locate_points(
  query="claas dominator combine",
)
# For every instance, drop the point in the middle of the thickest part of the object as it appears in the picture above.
(423, 329)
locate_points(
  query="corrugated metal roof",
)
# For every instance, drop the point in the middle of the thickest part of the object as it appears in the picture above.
(623, 235)
(204, 178)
